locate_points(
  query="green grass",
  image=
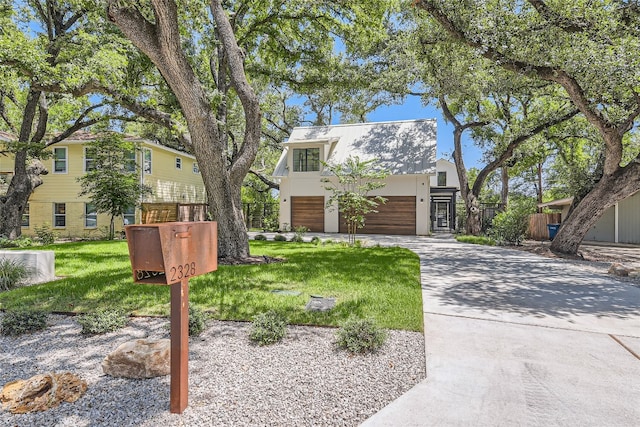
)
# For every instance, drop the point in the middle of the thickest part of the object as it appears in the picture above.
(381, 283)
(476, 240)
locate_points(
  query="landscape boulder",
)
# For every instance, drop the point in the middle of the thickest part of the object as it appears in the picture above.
(142, 358)
(41, 392)
(618, 269)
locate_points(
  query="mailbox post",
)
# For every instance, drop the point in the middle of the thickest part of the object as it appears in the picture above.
(169, 254)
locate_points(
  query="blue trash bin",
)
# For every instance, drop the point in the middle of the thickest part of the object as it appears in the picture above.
(553, 230)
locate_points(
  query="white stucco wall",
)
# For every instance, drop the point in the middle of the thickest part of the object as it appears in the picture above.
(443, 165)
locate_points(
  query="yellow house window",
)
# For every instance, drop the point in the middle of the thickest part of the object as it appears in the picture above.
(146, 161)
(59, 215)
(90, 215)
(178, 163)
(60, 160)
(25, 216)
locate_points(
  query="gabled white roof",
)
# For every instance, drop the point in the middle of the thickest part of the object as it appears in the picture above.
(401, 147)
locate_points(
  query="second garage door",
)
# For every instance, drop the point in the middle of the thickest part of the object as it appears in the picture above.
(308, 212)
(397, 216)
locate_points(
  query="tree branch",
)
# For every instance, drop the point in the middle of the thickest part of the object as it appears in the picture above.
(265, 180)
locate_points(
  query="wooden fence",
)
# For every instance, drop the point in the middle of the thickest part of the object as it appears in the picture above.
(167, 212)
(538, 224)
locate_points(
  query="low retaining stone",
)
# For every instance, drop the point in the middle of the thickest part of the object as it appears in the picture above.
(41, 264)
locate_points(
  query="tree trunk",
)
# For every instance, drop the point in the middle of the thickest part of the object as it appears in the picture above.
(474, 224)
(609, 190)
(222, 176)
(504, 190)
(12, 205)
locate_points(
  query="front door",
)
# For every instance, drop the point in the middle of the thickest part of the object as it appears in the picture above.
(442, 216)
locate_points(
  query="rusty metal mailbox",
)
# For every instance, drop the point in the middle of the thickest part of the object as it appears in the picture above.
(169, 254)
(166, 253)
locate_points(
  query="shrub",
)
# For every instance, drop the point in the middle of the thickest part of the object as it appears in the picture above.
(102, 321)
(260, 237)
(360, 336)
(46, 235)
(476, 240)
(280, 238)
(299, 231)
(509, 227)
(20, 242)
(316, 240)
(12, 274)
(268, 328)
(197, 321)
(20, 322)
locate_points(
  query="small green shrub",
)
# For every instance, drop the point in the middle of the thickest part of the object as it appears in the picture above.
(260, 237)
(510, 227)
(476, 240)
(268, 328)
(197, 321)
(299, 231)
(316, 240)
(280, 238)
(46, 235)
(360, 336)
(12, 274)
(20, 242)
(20, 322)
(102, 321)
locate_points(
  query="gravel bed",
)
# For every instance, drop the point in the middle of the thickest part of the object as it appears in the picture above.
(302, 381)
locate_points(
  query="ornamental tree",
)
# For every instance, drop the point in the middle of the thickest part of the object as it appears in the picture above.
(350, 187)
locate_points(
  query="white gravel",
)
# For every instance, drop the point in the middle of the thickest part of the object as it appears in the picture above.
(302, 381)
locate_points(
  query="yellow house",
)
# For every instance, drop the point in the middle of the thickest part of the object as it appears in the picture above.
(173, 176)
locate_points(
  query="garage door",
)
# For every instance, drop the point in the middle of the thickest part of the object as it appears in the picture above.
(309, 212)
(397, 216)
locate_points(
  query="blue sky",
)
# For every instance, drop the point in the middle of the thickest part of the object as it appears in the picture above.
(412, 109)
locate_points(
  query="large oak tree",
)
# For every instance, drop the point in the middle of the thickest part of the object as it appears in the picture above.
(587, 47)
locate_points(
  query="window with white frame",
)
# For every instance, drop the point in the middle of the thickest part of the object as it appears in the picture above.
(129, 215)
(195, 169)
(442, 179)
(25, 216)
(130, 165)
(60, 160)
(179, 163)
(90, 215)
(59, 215)
(306, 159)
(89, 159)
(146, 161)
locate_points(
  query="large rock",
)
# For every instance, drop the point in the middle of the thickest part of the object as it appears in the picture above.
(41, 392)
(618, 269)
(139, 359)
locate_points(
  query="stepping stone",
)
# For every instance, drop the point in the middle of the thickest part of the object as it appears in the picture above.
(286, 292)
(318, 303)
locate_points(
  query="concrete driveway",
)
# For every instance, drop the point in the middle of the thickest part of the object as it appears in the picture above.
(514, 339)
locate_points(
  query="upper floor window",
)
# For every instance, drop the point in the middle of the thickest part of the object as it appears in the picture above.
(179, 163)
(130, 165)
(60, 160)
(306, 159)
(59, 215)
(146, 161)
(89, 159)
(196, 169)
(442, 179)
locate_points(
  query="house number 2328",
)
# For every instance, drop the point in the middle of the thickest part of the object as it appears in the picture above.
(182, 271)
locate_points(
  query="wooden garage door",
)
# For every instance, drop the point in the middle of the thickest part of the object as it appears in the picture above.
(308, 211)
(397, 216)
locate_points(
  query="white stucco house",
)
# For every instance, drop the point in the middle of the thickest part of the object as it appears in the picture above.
(407, 149)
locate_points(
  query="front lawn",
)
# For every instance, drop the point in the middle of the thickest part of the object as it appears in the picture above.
(382, 283)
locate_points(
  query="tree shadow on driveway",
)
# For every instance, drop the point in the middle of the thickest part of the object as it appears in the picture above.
(497, 279)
